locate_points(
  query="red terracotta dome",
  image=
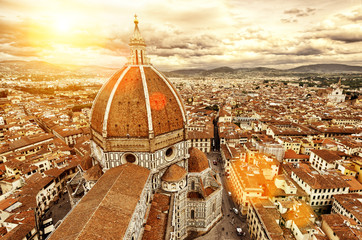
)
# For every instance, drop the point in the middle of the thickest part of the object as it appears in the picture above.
(137, 101)
(198, 161)
(174, 173)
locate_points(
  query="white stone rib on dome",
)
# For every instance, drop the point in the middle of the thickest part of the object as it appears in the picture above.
(147, 97)
(110, 100)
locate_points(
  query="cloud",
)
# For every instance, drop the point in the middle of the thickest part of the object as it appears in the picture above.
(288, 20)
(300, 12)
(343, 27)
(18, 52)
(13, 39)
(190, 33)
(353, 16)
(346, 35)
(306, 51)
(295, 13)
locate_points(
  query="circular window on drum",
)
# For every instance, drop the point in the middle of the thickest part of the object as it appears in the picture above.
(129, 157)
(170, 153)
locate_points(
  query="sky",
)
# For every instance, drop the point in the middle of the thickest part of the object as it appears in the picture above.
(185, 33)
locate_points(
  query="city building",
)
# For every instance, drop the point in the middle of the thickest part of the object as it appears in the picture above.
(320, 188)
(336, 95)
(348, 205)
(299, 217)
(339, 227)
(264, 220)
(322, 160)
(201, 139)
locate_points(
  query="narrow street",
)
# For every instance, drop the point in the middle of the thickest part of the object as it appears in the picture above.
(226, 227)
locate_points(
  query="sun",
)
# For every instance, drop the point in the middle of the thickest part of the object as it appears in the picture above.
(62, 24)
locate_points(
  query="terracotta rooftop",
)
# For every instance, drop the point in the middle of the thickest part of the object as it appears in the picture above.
(198, 161)
(209, 190)
(94, 173)
(340, 228)
(174, 173)
(353, 183)
(4, 204)
(326, 155)
(106, 210)
(195, 134)
(19, 232)
(316, 180)
(86, 162)
(224, 113)
(27, 195)
(268, 214)
(156, 224)
(27, 140)
(195, 195)
(301, 214)
(54, 172)
(291, 154)
(352, 203)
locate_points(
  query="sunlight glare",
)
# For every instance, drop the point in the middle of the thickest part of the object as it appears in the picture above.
(62, 24)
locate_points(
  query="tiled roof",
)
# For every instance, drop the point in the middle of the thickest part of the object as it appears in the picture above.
(291, 154)
(94, 173)
(128, 115)
(316, 180)
(268, 215)
(156, 224)
(352, 203)
(340, 228)
(174, 173)
(4, 204)
(106, 210)
(19, 232)
(326, 155)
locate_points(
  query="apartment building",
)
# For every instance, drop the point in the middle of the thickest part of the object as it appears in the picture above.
(320, 187)
(322, 160)
(264, 219)
(349, 205)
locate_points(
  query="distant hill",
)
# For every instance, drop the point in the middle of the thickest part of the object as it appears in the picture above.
(33, 67)
(219, 70)
(326, 68)
(259, 69)
(187, 71)
(41, 67)
(28, 66)
(316, 68)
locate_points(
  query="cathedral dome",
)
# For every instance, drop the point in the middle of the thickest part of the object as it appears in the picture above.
(137, 102)
(198, 161)
(174, 173)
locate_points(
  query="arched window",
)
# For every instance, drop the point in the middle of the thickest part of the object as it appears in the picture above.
(193, 185)
(192, 214)
(136, 57)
